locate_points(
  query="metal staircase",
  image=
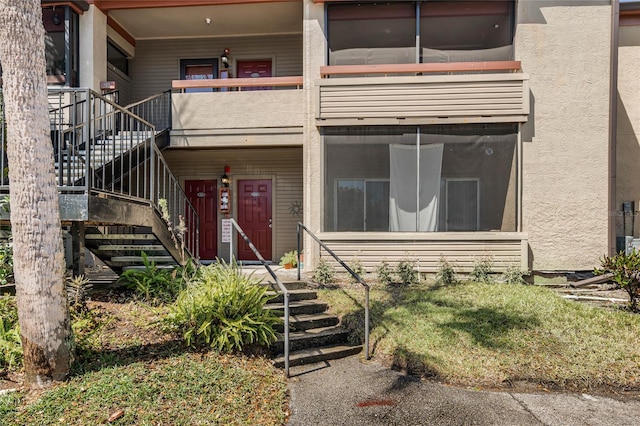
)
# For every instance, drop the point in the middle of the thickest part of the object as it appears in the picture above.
(114, 184)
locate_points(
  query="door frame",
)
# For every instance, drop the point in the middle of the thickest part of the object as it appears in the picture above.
(182, 181)
(242, 58)
(234, 207)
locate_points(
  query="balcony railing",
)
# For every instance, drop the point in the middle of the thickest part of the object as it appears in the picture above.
(429, 93)
(238, 84)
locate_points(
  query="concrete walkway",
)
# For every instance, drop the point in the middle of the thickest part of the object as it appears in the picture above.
(351, 392)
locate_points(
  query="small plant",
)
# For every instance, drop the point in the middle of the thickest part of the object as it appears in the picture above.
(482, 271)
(514, 275)
(152, 284)
(447, 274)
(289, 259)
(407, 273)
(626, 274)
(6, 262)
(357, 267)
(77, 291)
(385, 273)
(324, 273)
(10, 342)
(224, 309)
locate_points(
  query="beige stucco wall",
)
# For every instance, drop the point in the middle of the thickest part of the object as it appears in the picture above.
(566, 51)
(628, 135)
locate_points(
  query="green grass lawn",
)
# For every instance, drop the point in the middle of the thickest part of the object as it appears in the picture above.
(497, 335)
(130, 369)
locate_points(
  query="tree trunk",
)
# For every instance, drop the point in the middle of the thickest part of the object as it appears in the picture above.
(35, 211)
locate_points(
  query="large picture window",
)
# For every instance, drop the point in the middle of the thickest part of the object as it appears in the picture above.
(420, 179)
(404, 32)
(61, 24)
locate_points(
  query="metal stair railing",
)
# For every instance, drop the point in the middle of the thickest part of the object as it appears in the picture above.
(355, 275)
(101, 147)
(155, 110)
(281, 286)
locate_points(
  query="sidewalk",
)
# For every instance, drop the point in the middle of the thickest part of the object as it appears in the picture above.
(351, 392)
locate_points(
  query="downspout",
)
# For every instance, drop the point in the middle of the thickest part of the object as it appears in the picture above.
(613, 124)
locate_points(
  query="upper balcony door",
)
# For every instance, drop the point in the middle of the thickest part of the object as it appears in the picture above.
(254, 69)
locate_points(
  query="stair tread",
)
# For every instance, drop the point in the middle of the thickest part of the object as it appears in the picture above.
(329, 351)
(296, 291)
(310, 317)
(126, 247)
(295, 303)
(139, 259)
(120, 236)
(315, 332)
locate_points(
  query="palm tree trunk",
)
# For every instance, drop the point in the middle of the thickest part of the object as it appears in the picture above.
(35, 212)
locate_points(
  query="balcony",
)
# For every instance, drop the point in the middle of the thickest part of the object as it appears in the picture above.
(241, 111)
(426, 93)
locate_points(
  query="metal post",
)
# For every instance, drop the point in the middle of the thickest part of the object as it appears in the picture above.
(366, 322)
(231, 245)
(298, 228)
(286, 334)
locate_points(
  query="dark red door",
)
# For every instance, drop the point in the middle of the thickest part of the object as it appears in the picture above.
(254, 217)
(202, 194)
(254, 69)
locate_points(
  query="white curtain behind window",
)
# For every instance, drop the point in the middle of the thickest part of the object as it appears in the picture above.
(407, 211)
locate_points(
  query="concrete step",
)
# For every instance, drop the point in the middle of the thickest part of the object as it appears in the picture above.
(312, 355)
(307, 321)
(289, 285)
(299, 307)
(131, 237)
(311, 338)
(167, 266)
(298, 294)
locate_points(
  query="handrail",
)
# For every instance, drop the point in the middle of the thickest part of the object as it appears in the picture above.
(351, 271)
(217, 83)
(282, 287)
(155, 109)
(438, 67)
(101, 147)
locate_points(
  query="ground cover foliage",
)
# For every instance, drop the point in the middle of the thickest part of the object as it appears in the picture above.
(132, 369)
(496, 335)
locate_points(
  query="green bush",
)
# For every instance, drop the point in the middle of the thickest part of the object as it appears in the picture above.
(224, 309)
(407, 274)
(10, 343)
(385, 273)
(324, 273)
(357, 267)
(152, 284)
(626, 274)
(482, 271)
(514, 275)
(447, 274)
(6, 262)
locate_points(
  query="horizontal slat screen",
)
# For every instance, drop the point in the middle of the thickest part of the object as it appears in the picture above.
(427, 254)
(431, 97)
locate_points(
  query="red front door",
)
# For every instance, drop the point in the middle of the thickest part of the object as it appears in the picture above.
(254, 217)
(254, 69)
(202, 194)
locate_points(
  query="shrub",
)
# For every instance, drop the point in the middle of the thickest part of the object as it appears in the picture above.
(385, 273)
(407, 273)
(223, 309)
(324, 273)
(152, 284)
(482, 271)
(514, 275)
(6, 262)
(356, 266)
(626, 274)
(447, 274)
(10, 343)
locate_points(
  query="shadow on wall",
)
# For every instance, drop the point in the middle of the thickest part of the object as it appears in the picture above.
(628, 176)
(528, 129)
(530, 11)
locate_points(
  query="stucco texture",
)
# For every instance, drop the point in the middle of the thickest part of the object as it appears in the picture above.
(628, 134)
(566, 51)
